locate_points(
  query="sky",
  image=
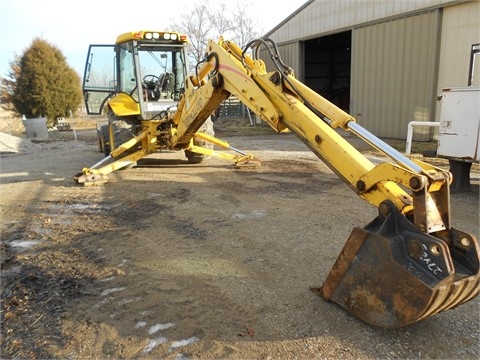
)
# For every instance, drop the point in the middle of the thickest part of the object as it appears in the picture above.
(72, 25)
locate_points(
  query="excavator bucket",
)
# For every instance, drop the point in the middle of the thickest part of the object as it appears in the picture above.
(389, 274)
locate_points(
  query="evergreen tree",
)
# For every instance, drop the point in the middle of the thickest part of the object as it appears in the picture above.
(42, 84)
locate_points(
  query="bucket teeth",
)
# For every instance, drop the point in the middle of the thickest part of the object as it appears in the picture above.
(390, 274)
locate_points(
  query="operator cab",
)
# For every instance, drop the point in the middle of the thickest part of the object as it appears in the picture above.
(142, 75)
(160, 87)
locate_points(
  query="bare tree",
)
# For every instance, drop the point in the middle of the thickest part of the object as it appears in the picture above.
(204, 22)
(8, 84)
(198, 26)
(246, 28)
(221, 23)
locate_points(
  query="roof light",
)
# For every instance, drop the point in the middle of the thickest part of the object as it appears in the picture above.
(148, 36)
(156, 35)
(166, 36)
(174, 37)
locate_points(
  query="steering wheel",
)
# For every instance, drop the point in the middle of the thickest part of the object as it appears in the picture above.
(150, 78)
(150, 82)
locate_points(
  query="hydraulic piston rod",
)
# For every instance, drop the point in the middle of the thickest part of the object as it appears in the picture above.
(383, 147)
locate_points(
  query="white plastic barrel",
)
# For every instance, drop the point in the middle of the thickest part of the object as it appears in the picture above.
(36, 128)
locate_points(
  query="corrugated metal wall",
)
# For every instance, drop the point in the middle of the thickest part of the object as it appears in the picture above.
(331, 16)
(460, 30)
(291, 54)
(394, 74)
(403, 53)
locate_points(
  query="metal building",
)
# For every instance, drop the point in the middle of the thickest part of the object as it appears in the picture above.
(383, 61)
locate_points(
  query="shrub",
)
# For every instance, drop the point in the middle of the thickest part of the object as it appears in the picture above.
(42, 84)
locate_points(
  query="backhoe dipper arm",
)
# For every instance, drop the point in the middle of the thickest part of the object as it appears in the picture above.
(280, 100)
(405, 265)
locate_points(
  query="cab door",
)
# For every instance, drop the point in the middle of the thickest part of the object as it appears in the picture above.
(100, 77)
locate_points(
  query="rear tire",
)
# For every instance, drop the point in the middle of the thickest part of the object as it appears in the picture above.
(100, 141)
(196, 158)
(104, 141)
(121, 135)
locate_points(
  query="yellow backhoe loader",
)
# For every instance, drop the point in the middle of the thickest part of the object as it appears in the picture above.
(405, 265)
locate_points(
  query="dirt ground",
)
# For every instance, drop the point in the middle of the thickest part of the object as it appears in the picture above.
(177, 261)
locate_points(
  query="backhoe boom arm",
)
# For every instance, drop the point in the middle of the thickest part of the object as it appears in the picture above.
(285, 103)
(408, 263)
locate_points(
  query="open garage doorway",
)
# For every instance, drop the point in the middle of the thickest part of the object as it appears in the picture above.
(327, 67)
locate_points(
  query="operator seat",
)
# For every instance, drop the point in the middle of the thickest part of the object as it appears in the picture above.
(166, 82)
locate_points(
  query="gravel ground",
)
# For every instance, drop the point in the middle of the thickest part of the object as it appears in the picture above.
(173, 261)
(11, 144)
